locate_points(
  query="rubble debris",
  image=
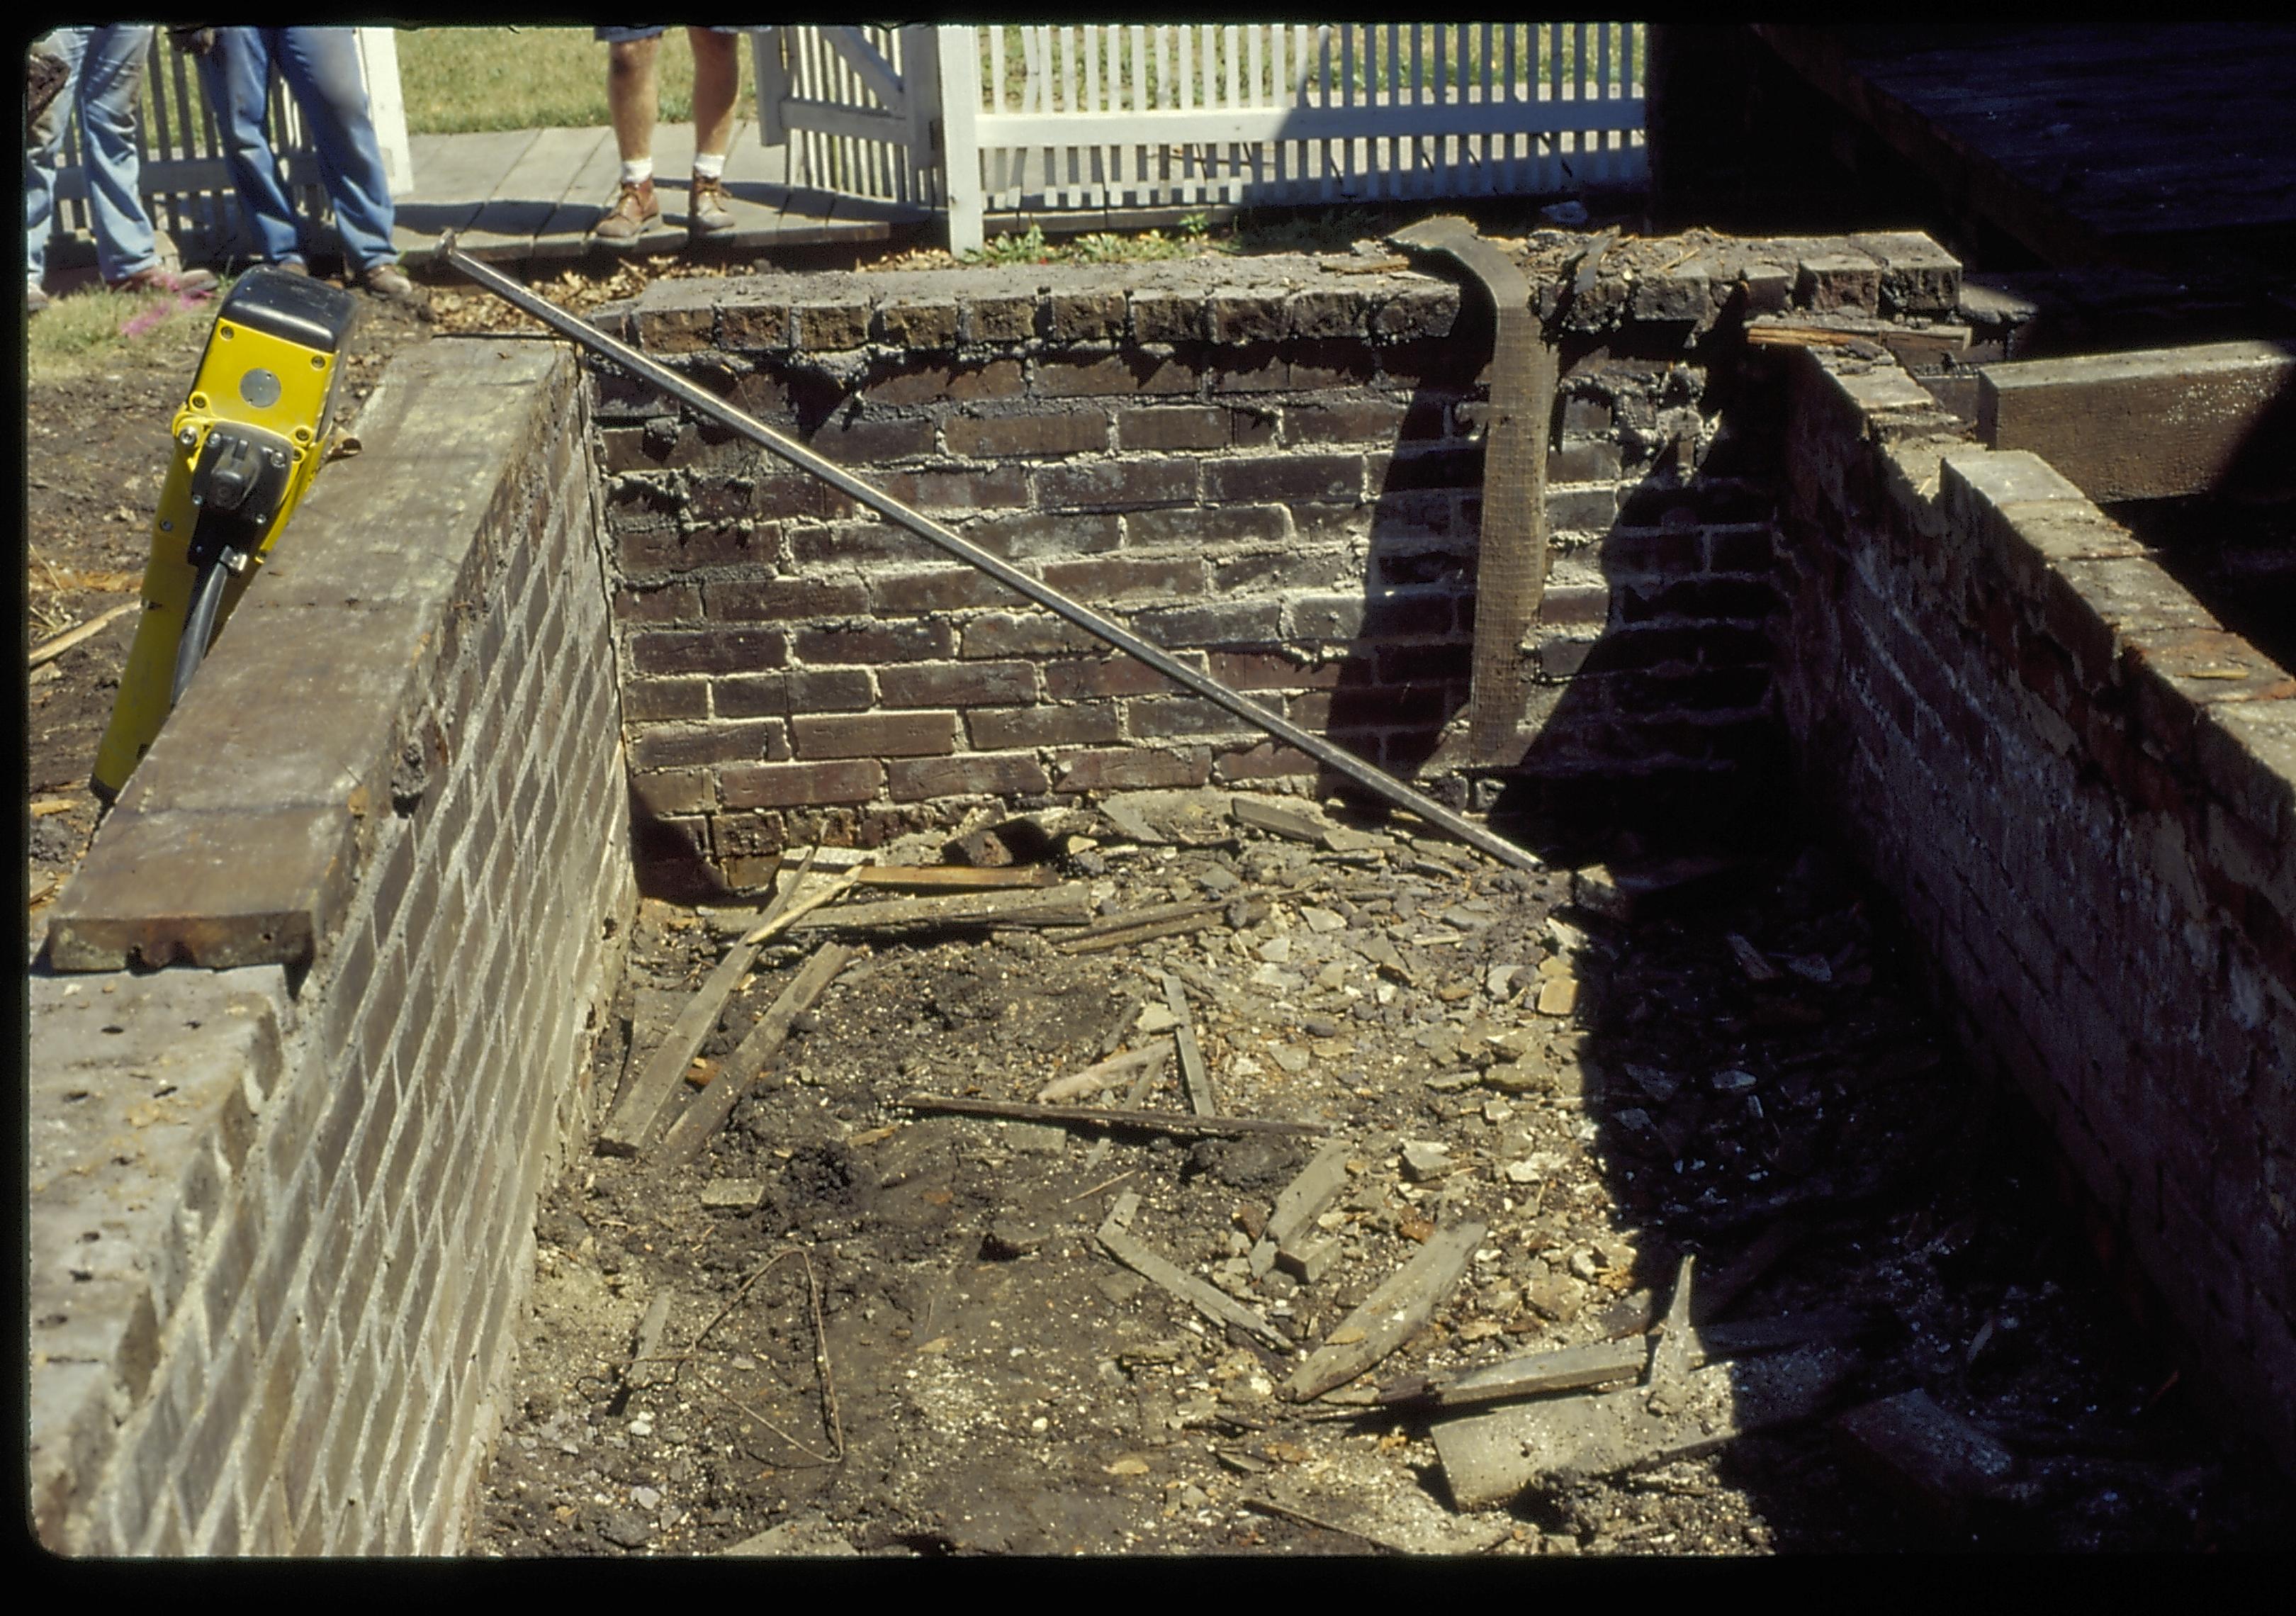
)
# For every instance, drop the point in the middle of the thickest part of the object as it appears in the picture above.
(809, 1534)
(733, 1194)
(1065, 906)
(1124, 812)
(1632, 1314)
(1491, 1458)
(1116, 1239)
(1193, 1074)
(1300, 1517)
(1393, 1313)
(1008, 841)
(1100, 1116)
(1751, 960)
(1926, 1455)
(707, 1111)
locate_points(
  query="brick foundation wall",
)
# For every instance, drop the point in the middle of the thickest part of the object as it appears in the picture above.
(1271, 467)
(2083, 793)
(281, 1207)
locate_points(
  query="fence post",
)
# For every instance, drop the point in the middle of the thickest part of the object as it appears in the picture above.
(921, 99)
(958, 58)
(773, 86)
(386, 106)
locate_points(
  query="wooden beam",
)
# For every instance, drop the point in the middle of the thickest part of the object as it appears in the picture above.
(1102, 1116)
(709, 1109)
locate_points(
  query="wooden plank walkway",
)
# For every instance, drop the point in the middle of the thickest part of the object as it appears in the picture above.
(527, 196)
(2114, 142)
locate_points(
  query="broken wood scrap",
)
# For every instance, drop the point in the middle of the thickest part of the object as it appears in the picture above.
(1106, 1074)
(1099, 1116)
(1301, 1201)
(47, 651)
(1141, 925)
(1491, 1458)
(1927, 1455)
(638, 1110)
(1633, 1313)
(1138, 1092)
(709, 1108)
(1300, 1517)
(1607, 1363)
(1193, 1071)
(1115, 1237)
(645, 1368)
(954, 877)
(1065, 906)
(1287, 822)
(1395, 1312)
(1669, 1358)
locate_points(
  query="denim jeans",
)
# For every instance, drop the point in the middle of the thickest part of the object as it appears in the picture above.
(107, 74)
(320, 67)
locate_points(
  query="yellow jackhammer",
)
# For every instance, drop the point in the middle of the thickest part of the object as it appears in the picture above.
(247, 443)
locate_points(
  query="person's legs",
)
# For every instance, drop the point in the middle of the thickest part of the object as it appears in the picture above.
(717, 85)
(320, 67)
(633, 99)
(237, 77)
(43, 140)
(111, 80)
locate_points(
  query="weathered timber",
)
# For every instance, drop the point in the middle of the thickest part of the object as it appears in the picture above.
(1926, 1454)
(639, 1110)
(1161, 920)
(1116, 1239)
(1104, 1074)
(644, 1369)
(1102, 1115)
(1133, 1097)
(1193, 1071)
(1066, 906)
(1263, 816)
(1669, 1358)
(1318, 1184)
(1490, 1459)
(1510, 565)
(1633, 1313)
(1608, 1362)
(954, 877)
(1395, 1312)
(709, 1108)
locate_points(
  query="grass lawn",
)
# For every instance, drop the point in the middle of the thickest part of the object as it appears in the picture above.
(460, 79)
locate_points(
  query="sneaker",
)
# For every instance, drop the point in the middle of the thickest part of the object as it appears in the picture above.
(290, 267)
(635, 208)
(184, 283)
(390, 282)
(706, 213)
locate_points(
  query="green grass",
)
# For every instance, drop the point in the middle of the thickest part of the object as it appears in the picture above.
(458, 80)
(82, 332)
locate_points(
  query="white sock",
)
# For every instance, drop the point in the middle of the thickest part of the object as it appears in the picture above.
(708, 165)
(637, 171)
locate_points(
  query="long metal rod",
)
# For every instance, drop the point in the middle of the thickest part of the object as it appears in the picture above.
(704, 403)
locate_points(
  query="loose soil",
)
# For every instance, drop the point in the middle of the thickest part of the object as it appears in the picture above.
(981, 1377)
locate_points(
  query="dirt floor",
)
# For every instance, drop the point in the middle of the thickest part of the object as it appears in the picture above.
(975, 1373)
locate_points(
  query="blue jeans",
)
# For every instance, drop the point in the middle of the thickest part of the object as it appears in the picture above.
(320, 67)
(107, 74)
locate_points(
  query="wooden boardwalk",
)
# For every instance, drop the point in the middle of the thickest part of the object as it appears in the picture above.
(532, 195)
(2135, 144)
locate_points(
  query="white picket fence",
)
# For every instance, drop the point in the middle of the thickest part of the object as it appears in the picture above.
(185, 184)
(1078, 118)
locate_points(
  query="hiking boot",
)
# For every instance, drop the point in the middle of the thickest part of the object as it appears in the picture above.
(635, 209)
(706, 213)
(388, 282)
(185, 283)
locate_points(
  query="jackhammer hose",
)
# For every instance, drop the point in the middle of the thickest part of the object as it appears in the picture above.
(199, 623)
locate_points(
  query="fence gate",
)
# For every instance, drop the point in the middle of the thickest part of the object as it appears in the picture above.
(858, 108)
(1071, 117)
